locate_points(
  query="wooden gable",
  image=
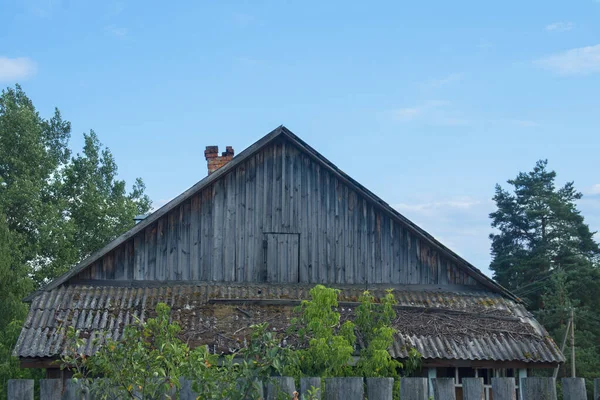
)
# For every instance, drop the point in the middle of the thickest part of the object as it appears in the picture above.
(279, 212)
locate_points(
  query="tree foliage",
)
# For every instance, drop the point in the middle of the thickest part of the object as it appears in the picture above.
(543, 251)
(328, 346)
(54, 209)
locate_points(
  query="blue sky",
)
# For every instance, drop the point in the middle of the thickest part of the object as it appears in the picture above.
(429, 104)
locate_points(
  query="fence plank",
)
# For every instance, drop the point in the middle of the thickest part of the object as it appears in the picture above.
(473, 389)
(307, 384)
(538, 388)
(414, 389)
(20, 389)
(186, 392)
(380, 388)
(443, 389)
(74, 391)
(280, 385)
(504, 388)
(597, 389)
(344, 389)
(573, 389)
(50, 389)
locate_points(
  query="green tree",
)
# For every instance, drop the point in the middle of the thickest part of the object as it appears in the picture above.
(545, 253)
(50, 208)
(97, 203)
(374, 326)
(326, 345)
(539, 231)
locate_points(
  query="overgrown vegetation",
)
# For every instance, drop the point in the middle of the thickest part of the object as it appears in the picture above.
(149, 360)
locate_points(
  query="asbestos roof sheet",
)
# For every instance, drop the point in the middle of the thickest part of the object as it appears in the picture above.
(447, 325)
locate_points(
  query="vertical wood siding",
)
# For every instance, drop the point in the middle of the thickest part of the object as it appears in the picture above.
(228, 230)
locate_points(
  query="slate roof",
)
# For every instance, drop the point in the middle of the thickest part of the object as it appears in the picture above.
(440, 322)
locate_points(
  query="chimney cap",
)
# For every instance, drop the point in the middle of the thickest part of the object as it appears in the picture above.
(211, 151)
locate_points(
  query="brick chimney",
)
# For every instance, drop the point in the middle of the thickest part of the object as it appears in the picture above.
(216, 161)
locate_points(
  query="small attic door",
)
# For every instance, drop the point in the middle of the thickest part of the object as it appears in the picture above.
(282, 257)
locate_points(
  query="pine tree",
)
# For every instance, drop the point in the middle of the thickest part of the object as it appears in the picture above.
(544, 252)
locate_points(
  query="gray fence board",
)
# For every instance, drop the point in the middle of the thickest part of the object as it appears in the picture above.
(538, 388)
(50, 389)
(74, 391)
(307, 384)
(20, 389)
(573, 389)
(504, 388)
(280, 385)
(186, 392)
(473, 389)
(414, 389)
(380, 388)
(443, 389)
(344, 389)
(597, 389)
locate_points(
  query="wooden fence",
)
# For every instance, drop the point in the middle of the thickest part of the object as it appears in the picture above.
(534, 388)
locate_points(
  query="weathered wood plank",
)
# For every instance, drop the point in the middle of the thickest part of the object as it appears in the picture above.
(173, 272)
(162, 247)
(187, 392)
(380, 388)
(50, 389)
(120, 263)
(108, 266)
(184, 247)
(218, 219)
(504, 388)
(280, 386)
(195, 238)
(240, 216)
(443, 389)
(538, 388)
(473, 389)
(321, 225)
(229, 226)
(310, 385)
(344, 389)
(414, 389)
(250, 223)
(130, 259)
(20, 389)
(573, 389)
(260, 211)
(151, 252)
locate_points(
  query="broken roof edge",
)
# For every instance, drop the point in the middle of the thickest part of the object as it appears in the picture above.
(240, 158)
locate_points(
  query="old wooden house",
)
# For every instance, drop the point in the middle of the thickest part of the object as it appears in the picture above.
(249, 240)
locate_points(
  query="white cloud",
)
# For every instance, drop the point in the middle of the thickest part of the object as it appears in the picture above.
(559, 26)
(582, 60)
(436, 207)
(524, 123)
(13, 69)
(438, 83)
(117, 32)
(410, 113)
(594, 189)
